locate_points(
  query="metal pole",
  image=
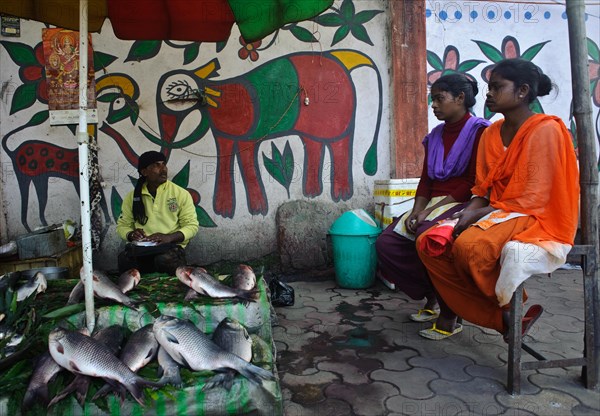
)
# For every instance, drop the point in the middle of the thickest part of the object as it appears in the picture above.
(582, 110)
(84, 168)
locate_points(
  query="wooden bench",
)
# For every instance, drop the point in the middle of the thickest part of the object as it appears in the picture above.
(588, 361)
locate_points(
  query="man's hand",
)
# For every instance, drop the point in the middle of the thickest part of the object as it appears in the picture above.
(136, 235)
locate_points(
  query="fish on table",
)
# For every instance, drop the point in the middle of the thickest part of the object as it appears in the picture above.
(104, 288)
(244, 278)
(128, 280)
(81, 354)
(232, 336)
(168, 369)
(190, 347)
(198, 279)
(35, 284)
(139, 350)
(111, 336)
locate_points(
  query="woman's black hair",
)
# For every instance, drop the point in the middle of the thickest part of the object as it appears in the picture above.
(523, 72)
(139, 210)
(457, 83)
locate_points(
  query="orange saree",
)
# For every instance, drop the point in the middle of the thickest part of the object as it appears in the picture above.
(537, 176)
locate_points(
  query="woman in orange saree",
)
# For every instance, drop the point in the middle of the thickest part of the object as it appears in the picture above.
(523, 215)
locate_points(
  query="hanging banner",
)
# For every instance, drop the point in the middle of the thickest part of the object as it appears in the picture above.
(61, 55)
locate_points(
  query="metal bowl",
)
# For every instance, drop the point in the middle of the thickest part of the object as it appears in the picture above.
(51, 273)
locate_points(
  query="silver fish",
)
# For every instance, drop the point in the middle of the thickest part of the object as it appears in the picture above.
(128, 280)
(140, 349)
(232, 336)
(112, 337)
(37, 391)
(77, 294)
(189, 346)
(198, 279)
(35, 284)
(84, 355)
(168, 369)
(105, 288)
(244, 278)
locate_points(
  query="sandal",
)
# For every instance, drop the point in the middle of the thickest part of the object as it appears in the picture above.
(532, 315)
(424, 315)
(439, 334)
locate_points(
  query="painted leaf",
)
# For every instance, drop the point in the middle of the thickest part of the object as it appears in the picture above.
(536, 107)
(190, 53)
(468, 65)
(366, 15)
(487, 113)
(118, 115)
(303, 34)
(38, 118)
(220, 46)
(593, 50)
(151, 137)
(24, 97)
(329, 20)
(135, 112)
(108, 97)
(102, 60)
(361, 34)
(530, 53)
(573, 130)
(143, 49)
(489, 51)
(274, 169)
(340, 34)
(370, 162)
(434, 61)
(204, 219)
(347, 9)
(20, 53)
(183, 176)
(116, 203)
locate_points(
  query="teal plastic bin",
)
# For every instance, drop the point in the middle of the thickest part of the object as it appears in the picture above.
(353, 237)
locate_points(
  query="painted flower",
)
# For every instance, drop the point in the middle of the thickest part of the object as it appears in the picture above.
(449, 64)
(510, 49)
(249, 50)
(36, 73)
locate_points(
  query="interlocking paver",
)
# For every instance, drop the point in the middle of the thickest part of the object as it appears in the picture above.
(546, 402)
(433, 406)
(452, 368)
(365, 399)
(413, 383)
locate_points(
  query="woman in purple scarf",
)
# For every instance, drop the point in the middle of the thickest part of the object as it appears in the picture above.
(444, 188)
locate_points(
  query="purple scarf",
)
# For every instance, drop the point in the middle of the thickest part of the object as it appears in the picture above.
(459, 155)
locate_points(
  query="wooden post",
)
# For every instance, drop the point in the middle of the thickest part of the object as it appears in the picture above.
(409, 87)
(582, 110)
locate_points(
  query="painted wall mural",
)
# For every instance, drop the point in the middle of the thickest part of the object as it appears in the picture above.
(307, 98)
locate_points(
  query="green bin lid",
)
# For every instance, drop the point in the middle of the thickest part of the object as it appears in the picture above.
(355, 222)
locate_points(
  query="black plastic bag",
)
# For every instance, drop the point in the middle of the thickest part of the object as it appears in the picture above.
(282, 294)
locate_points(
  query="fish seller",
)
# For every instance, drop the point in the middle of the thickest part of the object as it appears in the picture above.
(158, 219)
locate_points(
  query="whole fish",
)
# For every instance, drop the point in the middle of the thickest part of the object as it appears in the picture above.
(104, 288)
(198, 279)
(189, 346)
(77, 294)
(35, 284)
(140, 349)
(232, 336)
(128, 280)
(84, 355)
(112, 337)
(37, 391)
(168, 369)
(244, 278)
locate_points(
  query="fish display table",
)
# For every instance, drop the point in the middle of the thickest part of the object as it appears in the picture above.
(244, 396)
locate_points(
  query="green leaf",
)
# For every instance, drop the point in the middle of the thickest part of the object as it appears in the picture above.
(38, 118)
(435, 61)
(347, 9)
(530, 53)
(190, 52)
(593, 50)
(220, 46)
(65, 311)
(20, 53)
(117, 115)
(134, 114)
(489, 51)
(204, 219)
(274, 170)
(143, 49)
(340, 34)
(303, 34)
(102, 60)
(365, 16)
(361, 34)
(183, 176)
(536, 107)
(115, 202)
(24, 97)
(151, 137)
(329, 20)
(468, 65)
(108, 97)
(276, 155)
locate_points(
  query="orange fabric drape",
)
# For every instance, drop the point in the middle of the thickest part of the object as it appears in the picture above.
(536, 175)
